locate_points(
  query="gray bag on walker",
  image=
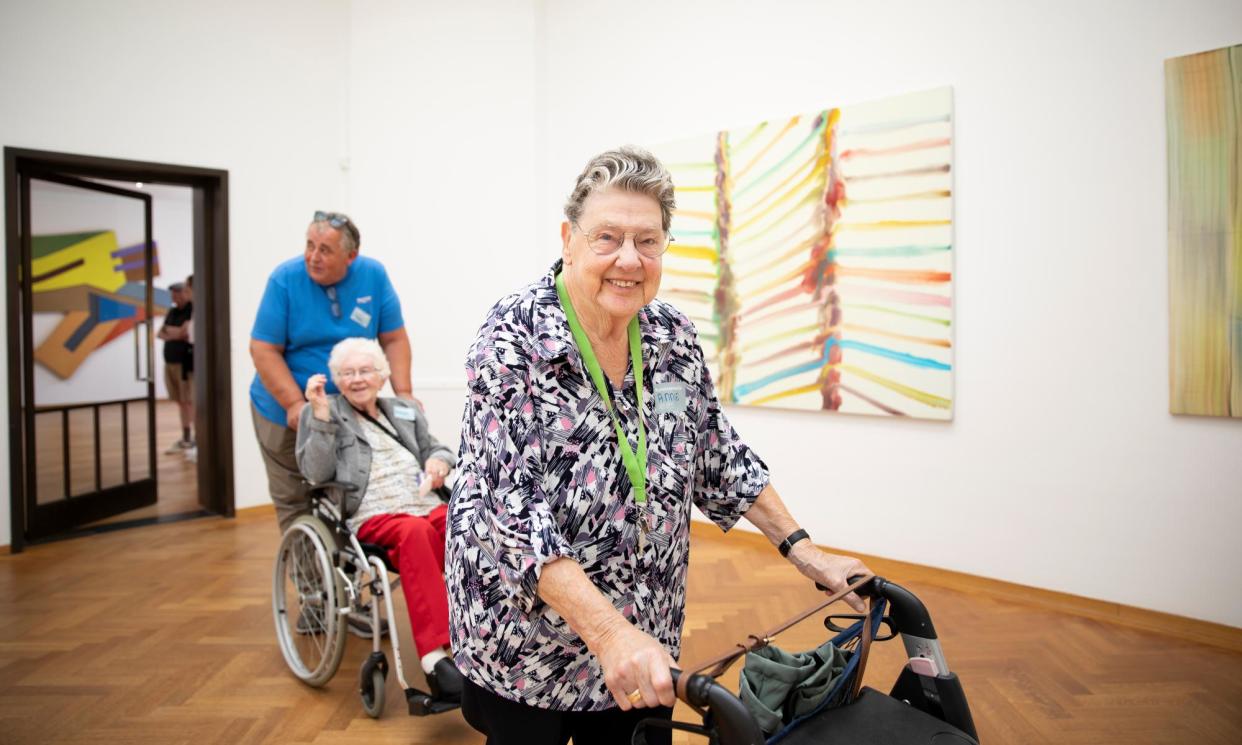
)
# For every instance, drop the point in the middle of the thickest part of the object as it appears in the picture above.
(778, 687)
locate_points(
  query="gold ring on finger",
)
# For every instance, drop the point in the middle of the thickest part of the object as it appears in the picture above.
(635, 696)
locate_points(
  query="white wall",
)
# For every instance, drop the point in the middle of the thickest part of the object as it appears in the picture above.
(441, 134)
(254, 88)
(1063, 468)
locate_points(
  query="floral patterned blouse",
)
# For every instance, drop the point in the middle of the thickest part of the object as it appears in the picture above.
(541, 476)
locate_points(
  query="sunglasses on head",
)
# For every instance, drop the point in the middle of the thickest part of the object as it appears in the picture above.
(340, 222)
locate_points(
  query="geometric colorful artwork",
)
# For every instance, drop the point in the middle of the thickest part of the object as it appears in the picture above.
(97, 285)
(1203, 98)
(814, 254)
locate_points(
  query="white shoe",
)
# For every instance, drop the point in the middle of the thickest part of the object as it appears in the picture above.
(191, 454)
(178, 446)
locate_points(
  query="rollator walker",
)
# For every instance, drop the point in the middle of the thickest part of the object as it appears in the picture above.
(926, 705)
(323, 574)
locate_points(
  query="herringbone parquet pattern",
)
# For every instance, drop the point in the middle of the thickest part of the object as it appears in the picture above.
(164, 635)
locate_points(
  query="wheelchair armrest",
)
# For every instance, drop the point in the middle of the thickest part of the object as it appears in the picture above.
(324, 486)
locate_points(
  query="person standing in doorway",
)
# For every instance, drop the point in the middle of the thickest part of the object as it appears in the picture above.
(328, 294)
(179, 363)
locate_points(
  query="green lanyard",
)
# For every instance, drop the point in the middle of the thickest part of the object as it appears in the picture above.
(636, 467)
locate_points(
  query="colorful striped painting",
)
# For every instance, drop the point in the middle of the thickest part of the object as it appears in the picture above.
(1203, 93)
(815, 256)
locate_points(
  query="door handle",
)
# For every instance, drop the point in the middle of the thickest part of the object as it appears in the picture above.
(137, 356)
(150, 345)
(150, 351)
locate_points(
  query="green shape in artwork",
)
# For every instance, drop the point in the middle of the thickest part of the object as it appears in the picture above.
(44, 245)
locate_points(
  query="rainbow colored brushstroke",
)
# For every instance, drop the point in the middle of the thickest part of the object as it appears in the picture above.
(814, 254)
(1203, 96)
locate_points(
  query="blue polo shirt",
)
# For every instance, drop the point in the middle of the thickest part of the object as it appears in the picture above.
(296, 313)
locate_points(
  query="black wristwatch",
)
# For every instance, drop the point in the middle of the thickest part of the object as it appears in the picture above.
(790, 540)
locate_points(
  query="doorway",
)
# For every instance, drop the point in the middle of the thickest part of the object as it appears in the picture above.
(83, 412)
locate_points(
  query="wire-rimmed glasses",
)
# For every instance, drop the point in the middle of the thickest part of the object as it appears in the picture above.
(605, 240)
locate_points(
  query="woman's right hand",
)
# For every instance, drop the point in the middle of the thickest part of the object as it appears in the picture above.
(634, 661)
(318, 396)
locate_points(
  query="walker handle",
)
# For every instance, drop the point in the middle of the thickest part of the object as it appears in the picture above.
(733, 722)
(867, 590)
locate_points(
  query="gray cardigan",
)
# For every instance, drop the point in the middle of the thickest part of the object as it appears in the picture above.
(338, 450)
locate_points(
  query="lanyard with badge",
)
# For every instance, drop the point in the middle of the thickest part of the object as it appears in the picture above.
(402, 412)
(390, 432)
(635, 463)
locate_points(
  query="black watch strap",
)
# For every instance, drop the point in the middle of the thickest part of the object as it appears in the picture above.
(791, 539)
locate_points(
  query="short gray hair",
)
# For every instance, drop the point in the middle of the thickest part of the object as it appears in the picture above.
(628, 168)
(351, 237)
(353, 345)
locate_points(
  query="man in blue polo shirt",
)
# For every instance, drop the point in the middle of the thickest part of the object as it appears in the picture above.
(311, 303)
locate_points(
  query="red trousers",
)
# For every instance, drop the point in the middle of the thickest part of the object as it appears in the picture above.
(416, 548)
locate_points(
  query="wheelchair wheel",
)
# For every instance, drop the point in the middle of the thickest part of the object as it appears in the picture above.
(372, 690)
(307, 593)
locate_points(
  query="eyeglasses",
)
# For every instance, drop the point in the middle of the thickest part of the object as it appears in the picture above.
(336, 307)
(362, 372)
(606, 240)
(340, 222)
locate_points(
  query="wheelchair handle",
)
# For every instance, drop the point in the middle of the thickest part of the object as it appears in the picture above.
(733, 722)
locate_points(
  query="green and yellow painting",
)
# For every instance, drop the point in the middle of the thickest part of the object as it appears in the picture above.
(1203, 93)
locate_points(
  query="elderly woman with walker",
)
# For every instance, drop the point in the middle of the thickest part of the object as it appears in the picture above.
(591, 427)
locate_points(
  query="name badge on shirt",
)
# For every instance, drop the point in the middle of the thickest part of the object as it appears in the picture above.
(670, 398)
(405, 413)
(360, 316)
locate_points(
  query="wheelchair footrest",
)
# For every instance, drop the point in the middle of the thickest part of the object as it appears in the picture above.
(422, 704)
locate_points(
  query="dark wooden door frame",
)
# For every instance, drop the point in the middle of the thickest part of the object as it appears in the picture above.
(212, 381)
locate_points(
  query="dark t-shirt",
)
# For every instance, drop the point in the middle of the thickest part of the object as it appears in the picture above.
(177, 351)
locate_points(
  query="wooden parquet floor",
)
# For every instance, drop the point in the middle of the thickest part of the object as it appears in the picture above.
(163, 634)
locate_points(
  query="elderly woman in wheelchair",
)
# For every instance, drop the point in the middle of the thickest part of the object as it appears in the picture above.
(374, 470)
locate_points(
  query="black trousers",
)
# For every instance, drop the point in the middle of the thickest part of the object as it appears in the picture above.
(507, 722)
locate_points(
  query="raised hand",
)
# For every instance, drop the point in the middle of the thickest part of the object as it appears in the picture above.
(318, 396)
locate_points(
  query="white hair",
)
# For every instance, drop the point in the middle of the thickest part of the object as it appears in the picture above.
(358, 345)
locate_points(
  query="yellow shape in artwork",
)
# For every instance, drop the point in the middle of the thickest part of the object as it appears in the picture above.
(87, 263)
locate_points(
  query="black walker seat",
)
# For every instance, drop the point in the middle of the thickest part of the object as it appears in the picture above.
(926, 706)
(874, 717)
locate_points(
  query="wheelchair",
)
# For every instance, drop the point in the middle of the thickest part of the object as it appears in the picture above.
(324, 573)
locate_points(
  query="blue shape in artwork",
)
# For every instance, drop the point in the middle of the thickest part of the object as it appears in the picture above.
(80, 333)
(161, 298)
(107, 309)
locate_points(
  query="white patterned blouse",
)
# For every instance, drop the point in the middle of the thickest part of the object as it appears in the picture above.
(541, 476)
